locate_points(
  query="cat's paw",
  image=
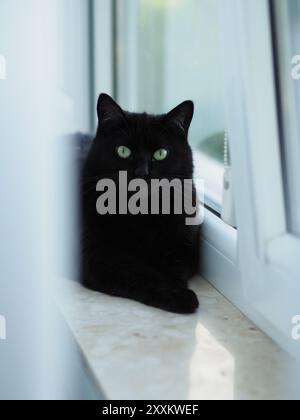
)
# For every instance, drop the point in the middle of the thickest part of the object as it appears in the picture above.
(183, 301)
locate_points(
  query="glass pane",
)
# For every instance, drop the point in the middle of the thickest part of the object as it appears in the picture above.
(169, 51)
(287, 34)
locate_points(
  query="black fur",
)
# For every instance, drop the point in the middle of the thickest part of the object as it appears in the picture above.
(148, 258)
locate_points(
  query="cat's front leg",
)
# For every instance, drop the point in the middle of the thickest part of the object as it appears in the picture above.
(177, 253)
(123, 275)
(180, 263)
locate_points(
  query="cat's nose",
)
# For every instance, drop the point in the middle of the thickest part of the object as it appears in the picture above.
(142, 170)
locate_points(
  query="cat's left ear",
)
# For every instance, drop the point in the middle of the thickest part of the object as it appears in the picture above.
(182, 115)
(108, 110)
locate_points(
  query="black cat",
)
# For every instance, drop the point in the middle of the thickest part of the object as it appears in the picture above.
(148, 258)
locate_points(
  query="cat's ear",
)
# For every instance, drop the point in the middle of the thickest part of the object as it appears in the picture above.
(108, 110)
(182, 115)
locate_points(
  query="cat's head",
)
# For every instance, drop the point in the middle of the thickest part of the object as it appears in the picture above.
(146, 146)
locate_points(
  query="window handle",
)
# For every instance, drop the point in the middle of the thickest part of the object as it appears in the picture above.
(228, 209)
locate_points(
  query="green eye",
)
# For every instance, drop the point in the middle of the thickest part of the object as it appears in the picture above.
(160, 154)
(124, 152)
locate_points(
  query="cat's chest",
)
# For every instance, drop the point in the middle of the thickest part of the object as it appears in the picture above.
(141, 235)
(151, 236)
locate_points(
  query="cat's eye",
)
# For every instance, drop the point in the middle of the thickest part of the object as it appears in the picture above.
(160, 154)
(124, 152)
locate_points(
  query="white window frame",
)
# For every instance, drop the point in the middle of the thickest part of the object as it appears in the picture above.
(289, 106)
(267, 251)
(102, 16)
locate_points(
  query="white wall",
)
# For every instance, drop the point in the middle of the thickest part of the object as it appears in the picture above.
(37, 211)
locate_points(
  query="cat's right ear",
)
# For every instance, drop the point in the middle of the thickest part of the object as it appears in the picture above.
(108, 110)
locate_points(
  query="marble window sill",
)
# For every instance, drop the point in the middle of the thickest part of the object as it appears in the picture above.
(137, 352)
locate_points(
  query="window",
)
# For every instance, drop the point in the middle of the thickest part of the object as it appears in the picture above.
(169, 51)
(268, 249)
(287, 36)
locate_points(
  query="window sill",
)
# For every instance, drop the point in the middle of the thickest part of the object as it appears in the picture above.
(137, 352)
